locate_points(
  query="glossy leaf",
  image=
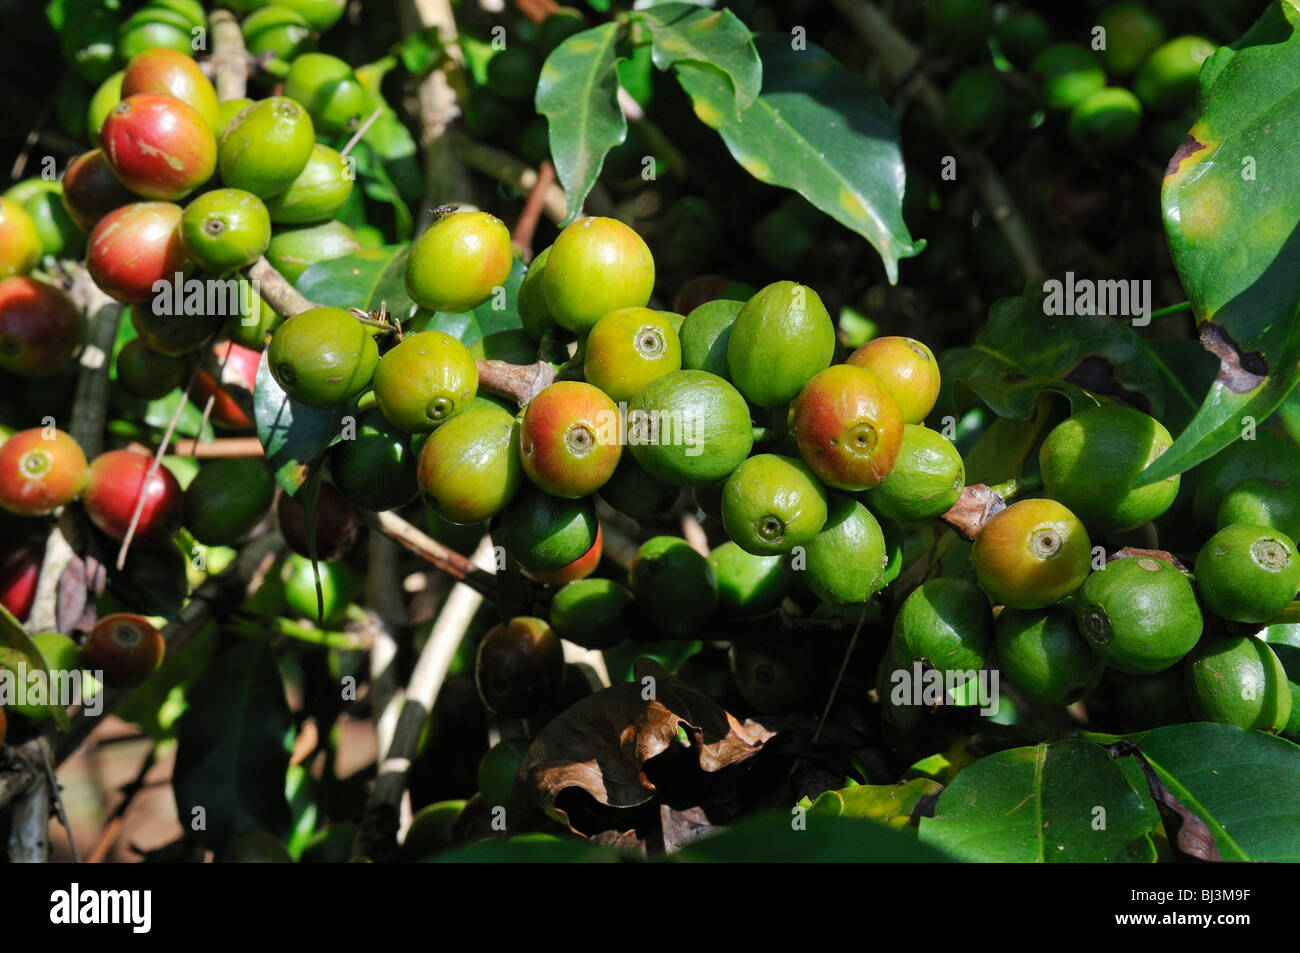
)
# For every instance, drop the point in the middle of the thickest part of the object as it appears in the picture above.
(1245, 785)
(233, 748)
(578, 95)
(1232, 218)
(1063, 802)
(819, 129)
(361, 280)
(822, 840)
(1023, 352)
(293, 434)
(714, 39)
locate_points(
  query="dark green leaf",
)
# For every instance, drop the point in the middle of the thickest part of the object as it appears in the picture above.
(820, 130)
(1023, 352)
(1245, 785)
(1232, 217)
(233, 747)
(1067, 801)
(714, 39)
(361, 280)
(578, 95)
(292, 434)
(824, 840)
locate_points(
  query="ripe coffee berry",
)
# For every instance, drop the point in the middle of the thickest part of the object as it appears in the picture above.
(126, 648)
(134, 247)
(848, 428)
(568, 439)
(40, 471)
(116, 480)
(40, 327)
(159, 147)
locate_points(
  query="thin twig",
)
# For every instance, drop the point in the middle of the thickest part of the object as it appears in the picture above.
(143, 493)
(526, 227)
(433, 552)
(57, 797)
(117, 819)
(361, 131)
(844, 667)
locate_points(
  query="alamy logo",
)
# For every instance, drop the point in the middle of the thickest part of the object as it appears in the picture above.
(102, 907)
(920, 686)
(214, 297)
(64, 687)
(1112, 298)
(649, 428)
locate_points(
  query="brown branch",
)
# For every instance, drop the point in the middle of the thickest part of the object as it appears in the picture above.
(445, 178)
(410, 710)
(86, 426)
(230, 60)
(280, 294)
(433, 552)
(520, 382)
(526, 227)
(221, 448)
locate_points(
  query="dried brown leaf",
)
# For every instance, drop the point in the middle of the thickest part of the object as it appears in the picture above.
(601, 744)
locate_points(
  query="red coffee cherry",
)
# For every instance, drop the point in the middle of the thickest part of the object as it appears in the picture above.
(40, 471)
(126, 648)
(134, 247)
(116, 480)
(233, 406)
(91, 190)
(160, 148)
(40, 327)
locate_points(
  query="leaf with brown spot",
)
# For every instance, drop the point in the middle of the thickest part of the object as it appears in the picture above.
(602, 744)
(1024, 353)
(1188, 835)
(1231, 200)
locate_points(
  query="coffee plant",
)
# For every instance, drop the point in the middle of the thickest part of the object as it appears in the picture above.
(455, 430)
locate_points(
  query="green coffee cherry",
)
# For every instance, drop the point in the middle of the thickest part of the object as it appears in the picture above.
(1106, 121)
(1238, 681)
(1044, 655)
(1247, 573)
(1069, 74)
(1139, 614)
